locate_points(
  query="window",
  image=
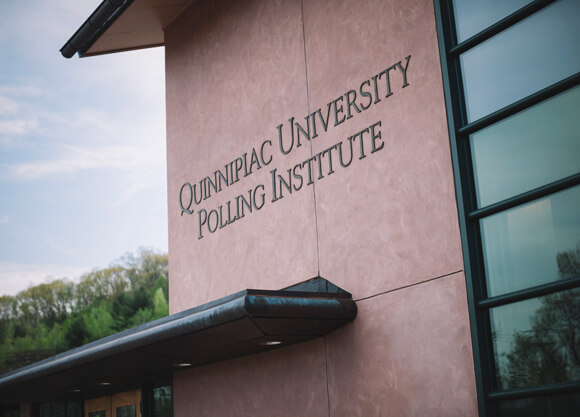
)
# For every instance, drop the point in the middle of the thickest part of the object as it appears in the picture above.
(68, 408)
(9, 410)
(150, 401)
(158, 401)
(162, 404)
(511, 72)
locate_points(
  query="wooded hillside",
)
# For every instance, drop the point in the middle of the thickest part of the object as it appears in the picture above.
(54, 317)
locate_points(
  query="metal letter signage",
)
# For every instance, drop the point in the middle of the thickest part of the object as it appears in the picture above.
(289, 136)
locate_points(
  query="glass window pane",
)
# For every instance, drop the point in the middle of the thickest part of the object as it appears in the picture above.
(472, 16)
(44, 410)
(528, 245)
(7, 410)
(162, 402)
(127, 411)
(553, 406)
(527, 57)
(58, 409)
(74, 409)
(100, 413)
(536, 341)
(528, 150)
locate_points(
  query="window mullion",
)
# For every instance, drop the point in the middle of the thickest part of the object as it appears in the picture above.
(498, 27)
(520, 105)
(561, 388)
(529, 293)
(526, 197)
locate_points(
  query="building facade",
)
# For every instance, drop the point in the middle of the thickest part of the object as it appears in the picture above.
(422, 156)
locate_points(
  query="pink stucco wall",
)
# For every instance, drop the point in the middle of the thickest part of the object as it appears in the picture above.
(384, 227)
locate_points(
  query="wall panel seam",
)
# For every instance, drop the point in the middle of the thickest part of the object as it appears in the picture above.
(411, 285)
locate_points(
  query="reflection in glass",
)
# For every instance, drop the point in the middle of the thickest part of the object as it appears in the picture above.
(127, 411)
(521, 245)
(531, 55)
(537, 341)
(58, 409)
(71, 408)
(161, 406)
(100, 413)
(74, 408)
(44, 410)
(553, 406)
(11, 410)
(528, 150)
(472, 16)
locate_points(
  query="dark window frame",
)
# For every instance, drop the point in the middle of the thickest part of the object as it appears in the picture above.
(147, 397)
(53, 403)
(145, 406)
(479, 303)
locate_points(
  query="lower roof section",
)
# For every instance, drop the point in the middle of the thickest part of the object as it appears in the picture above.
(247, 322)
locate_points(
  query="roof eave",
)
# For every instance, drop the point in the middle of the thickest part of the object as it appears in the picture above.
(97, 23)
(247, 322)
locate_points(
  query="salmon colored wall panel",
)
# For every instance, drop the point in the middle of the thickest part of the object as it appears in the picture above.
(238, 70)
(388, 219)
(290, 381)
(245, 73)
(408, 354)
(235, 71)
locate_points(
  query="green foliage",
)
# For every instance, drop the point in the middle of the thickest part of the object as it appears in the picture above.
(99, 321)
(160, 304)
(142, 316)
(77, 333)
(550, 351)
(131, 308)
(50, 318)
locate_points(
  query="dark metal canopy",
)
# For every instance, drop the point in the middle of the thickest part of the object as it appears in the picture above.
(247, 322)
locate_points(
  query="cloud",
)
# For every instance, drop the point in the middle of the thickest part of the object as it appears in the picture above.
(13, 123)
(15, 277)
(20, 90)
(66, 124)
(75, 159)
(16, 127)
(66, 141)
(15, 120)
(7, 105)
(138, 156)
(57, 247)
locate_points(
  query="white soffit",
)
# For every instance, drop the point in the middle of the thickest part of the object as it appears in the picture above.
(140, 26)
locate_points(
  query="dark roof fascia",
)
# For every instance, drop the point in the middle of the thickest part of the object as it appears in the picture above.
(97, 23)
(303, 301)
(145, 334)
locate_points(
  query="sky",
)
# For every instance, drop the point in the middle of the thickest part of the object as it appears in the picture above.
(82, 148)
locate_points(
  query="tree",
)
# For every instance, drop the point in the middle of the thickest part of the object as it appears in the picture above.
(100, 284)
(550, 351)
(7, 313)
(49, 318)
(48, 302)
(160, 305)
(144, 270)
(77, 332)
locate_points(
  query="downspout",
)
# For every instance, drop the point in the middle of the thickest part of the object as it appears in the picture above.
(97, 23)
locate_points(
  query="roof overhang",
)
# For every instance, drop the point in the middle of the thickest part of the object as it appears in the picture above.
(247, 322)
(121, 25)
